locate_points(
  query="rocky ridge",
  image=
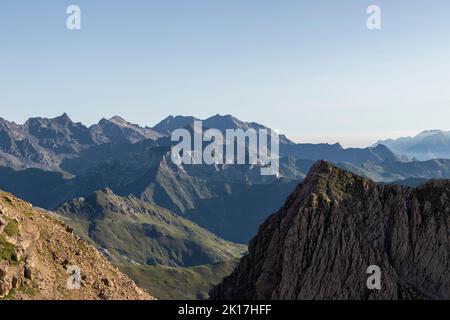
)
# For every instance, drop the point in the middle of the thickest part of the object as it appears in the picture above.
(320, 244)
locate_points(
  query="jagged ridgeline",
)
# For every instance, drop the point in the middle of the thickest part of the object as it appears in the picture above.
(320, 244)
(73, 161)
(37, 252)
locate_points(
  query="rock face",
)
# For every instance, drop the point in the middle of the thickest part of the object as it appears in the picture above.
(320, 244)
(41, 258)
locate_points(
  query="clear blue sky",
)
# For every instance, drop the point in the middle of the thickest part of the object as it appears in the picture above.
(309, 68)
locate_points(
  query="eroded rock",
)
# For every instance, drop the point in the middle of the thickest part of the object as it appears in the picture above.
(333, 227)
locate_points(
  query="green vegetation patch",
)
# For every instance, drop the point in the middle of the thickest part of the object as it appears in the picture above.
(175, 283)
(10, 295)
(29, 290)
(7, 250)
(12, 228)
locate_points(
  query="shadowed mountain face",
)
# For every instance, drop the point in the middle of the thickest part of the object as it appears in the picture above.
(320, 244)
(336, 153)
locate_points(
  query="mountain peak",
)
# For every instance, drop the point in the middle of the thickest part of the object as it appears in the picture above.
(427, 145)
(328, 178)
(119, 130)
(353, 224)
(322, 167)
(171, 123)
(118, 119)
(430, 131)
(63, 117)
(223, 117)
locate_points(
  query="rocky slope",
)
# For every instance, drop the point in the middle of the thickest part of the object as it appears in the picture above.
(37, 252)
(333, 227)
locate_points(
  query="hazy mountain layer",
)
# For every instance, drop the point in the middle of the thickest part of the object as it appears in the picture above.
(431, 144)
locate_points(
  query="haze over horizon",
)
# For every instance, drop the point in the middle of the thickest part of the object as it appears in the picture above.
(312, 70)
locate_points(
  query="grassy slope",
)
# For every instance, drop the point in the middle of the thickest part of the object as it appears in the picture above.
(170, 283)
(131, 229)
(163, 252)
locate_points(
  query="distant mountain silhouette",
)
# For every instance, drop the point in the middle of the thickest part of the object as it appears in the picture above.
(431, 144)
(336, 153)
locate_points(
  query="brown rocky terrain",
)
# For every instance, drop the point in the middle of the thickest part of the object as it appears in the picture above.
(333, 227)
(38, 252)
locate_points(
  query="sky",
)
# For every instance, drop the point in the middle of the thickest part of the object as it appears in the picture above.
(311, 69)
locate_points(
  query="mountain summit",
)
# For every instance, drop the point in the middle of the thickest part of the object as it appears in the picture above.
(118, 130)
(320, 244)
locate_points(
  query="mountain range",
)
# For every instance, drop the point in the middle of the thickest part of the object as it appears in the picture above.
(427, 145)
(72, 161)
(115, 184)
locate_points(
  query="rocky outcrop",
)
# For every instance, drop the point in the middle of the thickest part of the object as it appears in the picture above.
(320, 244)
(41, 258)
